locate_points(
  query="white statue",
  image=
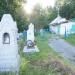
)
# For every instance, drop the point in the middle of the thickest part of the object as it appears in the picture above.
(30, 33)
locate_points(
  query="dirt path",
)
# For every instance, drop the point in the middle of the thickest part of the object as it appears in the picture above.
(64, 48)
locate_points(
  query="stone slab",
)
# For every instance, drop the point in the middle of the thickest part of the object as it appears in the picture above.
(34, 49)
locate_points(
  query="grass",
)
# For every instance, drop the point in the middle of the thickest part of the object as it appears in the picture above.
(45, 62)
(71, 39)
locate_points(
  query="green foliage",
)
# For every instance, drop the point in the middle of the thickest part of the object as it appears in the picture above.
(66, 11)
(67, 8)
(42, 17)
(14, 7)
(52, 13)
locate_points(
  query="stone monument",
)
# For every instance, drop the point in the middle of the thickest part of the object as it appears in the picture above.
(9, 57)
(30, 44)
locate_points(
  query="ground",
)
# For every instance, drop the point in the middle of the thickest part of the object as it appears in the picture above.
(45, 62)
(71, 39)
(64, 48)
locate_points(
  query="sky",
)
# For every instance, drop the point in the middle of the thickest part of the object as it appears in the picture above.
(28, 7)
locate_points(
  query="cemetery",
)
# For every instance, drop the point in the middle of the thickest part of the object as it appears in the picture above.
(35, 39)
(14, 60)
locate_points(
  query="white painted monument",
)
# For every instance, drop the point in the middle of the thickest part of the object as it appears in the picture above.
(30, 47)
(30, 33)
(9, 57)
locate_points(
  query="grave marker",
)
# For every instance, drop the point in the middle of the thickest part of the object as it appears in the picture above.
(9, 57)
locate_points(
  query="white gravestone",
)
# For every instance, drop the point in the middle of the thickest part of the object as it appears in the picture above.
(30, 33)
(31, 47)
(9, 57)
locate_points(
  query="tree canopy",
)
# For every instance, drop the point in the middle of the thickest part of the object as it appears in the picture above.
(40, 17)
(14, 8)
(67, 8)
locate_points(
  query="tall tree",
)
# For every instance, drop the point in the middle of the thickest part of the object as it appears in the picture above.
(42, 17)
(67, 8)
(14, 7)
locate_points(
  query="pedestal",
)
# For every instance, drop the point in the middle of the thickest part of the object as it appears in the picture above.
(31, 49)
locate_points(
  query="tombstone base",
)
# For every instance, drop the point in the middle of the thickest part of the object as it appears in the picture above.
(33, 49)
(9, 65)
(9, 58)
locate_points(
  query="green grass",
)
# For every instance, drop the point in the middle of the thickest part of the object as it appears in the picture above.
(71, 39)
(45, 62)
